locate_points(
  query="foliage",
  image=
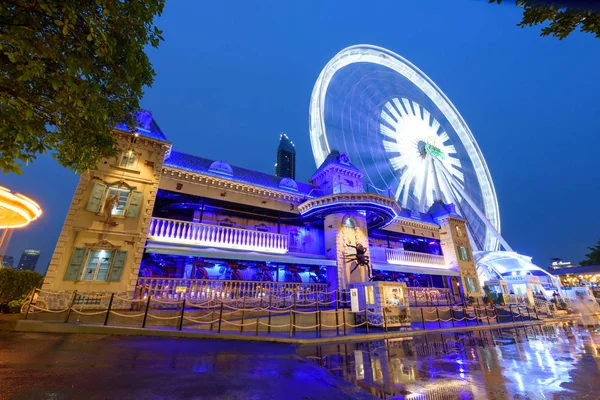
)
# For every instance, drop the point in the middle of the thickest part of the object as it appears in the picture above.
(70, 70)
(14, 306)
(559, 20)
(16, 284)
(501, 299)
(593, 257)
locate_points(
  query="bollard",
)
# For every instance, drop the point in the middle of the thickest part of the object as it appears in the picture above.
(465, 316)
(528, 313)
(496, 314)
(30, 301)
(452, 315)
(146, 312)
(423, 318)
(71, 306)
(344, 319)
(112, 296)
(243, 311)
(512, 316)
(181, 316)
(257, 315)
(384, 320)
(487, 315)
(320, 324)
(212, 315)
(437, 312)
(337, 320)
(220, 318)
(367, 320)
(270, 306)
(317, 322)
(291, 323)
(476, 311)
(536, 313)
(519, 312)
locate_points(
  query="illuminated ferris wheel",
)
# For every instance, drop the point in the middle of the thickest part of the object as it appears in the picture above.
(405, 134)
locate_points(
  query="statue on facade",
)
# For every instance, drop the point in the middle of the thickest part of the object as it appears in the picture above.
(109, 204)
(360, 257)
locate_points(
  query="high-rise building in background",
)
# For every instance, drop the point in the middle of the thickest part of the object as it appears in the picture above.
(7, 261)
(286, 158)
(29, 259)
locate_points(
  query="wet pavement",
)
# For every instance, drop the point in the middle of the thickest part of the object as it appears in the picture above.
(57, 367)
(553, 362)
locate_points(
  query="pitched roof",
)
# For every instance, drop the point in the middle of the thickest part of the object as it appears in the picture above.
(202, 165)
(439, 209)
(146, 126)
(335, 158)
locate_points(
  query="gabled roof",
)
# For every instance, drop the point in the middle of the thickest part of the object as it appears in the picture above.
(440, 209)
(335, 158)
(192, 163)
(146, 126)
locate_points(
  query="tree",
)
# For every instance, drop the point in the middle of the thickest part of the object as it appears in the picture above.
(593, 258)
(560, 20)
(16, 284)
(70, 70)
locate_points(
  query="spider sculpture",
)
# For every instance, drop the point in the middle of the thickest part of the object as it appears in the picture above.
(361, 259)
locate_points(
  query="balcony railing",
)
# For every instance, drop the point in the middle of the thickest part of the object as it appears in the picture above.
(184, 232)
(424, 296)
(201, 290)
(404, 257)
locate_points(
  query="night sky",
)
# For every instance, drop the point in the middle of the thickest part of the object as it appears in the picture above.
(232, 75)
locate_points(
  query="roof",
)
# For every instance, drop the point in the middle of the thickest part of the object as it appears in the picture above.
(192, 163)
(440, 209)
(146, 126)
(335, 158)
(417, 216)
(588, 269)
(285, 144)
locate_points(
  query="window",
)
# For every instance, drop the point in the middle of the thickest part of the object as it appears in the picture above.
(122, 200)
(121, 197)
(97, 265)
(463, 253)
(471, 284)
(128, 160)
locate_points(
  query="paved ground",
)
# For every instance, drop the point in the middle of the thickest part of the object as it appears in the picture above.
(63, 366)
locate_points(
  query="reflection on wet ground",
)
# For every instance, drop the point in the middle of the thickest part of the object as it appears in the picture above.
(551, 362)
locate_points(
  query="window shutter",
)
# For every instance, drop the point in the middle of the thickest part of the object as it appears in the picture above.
(95, 202)
(135, 202)
(76, 264)
(117, 266)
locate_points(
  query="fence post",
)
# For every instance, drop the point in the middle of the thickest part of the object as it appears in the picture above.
(367, 319)
(437, 312)
(487, 316)
(146, 312)
(320, 324)
(317, 321)
(476, 310)
(112, 296)
(243, 311)
(337, 319)
(291, 323)
(528, 313)
(452, 315)
(337, 299)
(30, 301)
(384, 320)
(423, 318)
(212, 315)
(521, 314)
(465, 315)
(71, 306)
(181, 316)
(220, 318)
(536, 313)
(257, 315)
(512, 316)
(496, 314)
(270, 306)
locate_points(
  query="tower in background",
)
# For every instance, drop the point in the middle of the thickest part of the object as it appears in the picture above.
(286, 158)
(29, 259)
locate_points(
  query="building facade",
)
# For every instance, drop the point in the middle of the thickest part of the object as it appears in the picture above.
(286, 158)
(29, 259)
(154, 219)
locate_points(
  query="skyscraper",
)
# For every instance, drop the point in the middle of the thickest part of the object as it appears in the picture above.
(286, 158)
(28, 259)
(7, 261)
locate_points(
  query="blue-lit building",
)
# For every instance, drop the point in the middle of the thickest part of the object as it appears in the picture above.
(155, 219)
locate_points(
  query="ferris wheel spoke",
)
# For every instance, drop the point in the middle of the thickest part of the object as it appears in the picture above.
(443, 136)
(387, 118)
(387, 131)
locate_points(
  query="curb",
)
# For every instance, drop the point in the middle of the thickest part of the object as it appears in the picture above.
(70, 328)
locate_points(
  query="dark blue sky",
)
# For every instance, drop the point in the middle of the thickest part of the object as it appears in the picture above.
(232, 75)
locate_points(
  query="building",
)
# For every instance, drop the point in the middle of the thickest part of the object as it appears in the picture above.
(588, 275)
(286, 158)
(156, 218)
(7, 261)
(29, 259)
(559, 263)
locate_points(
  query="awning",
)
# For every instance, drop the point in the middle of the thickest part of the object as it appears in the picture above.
(413, 269)
(209, 252)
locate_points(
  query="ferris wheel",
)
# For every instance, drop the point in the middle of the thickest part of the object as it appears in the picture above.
(399, 128)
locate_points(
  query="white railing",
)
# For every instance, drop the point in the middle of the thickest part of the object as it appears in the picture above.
(184, 232)
(404, 257)
(214, 289)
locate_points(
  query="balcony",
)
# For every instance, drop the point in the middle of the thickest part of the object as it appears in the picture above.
(409, 258)
(196, 234)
